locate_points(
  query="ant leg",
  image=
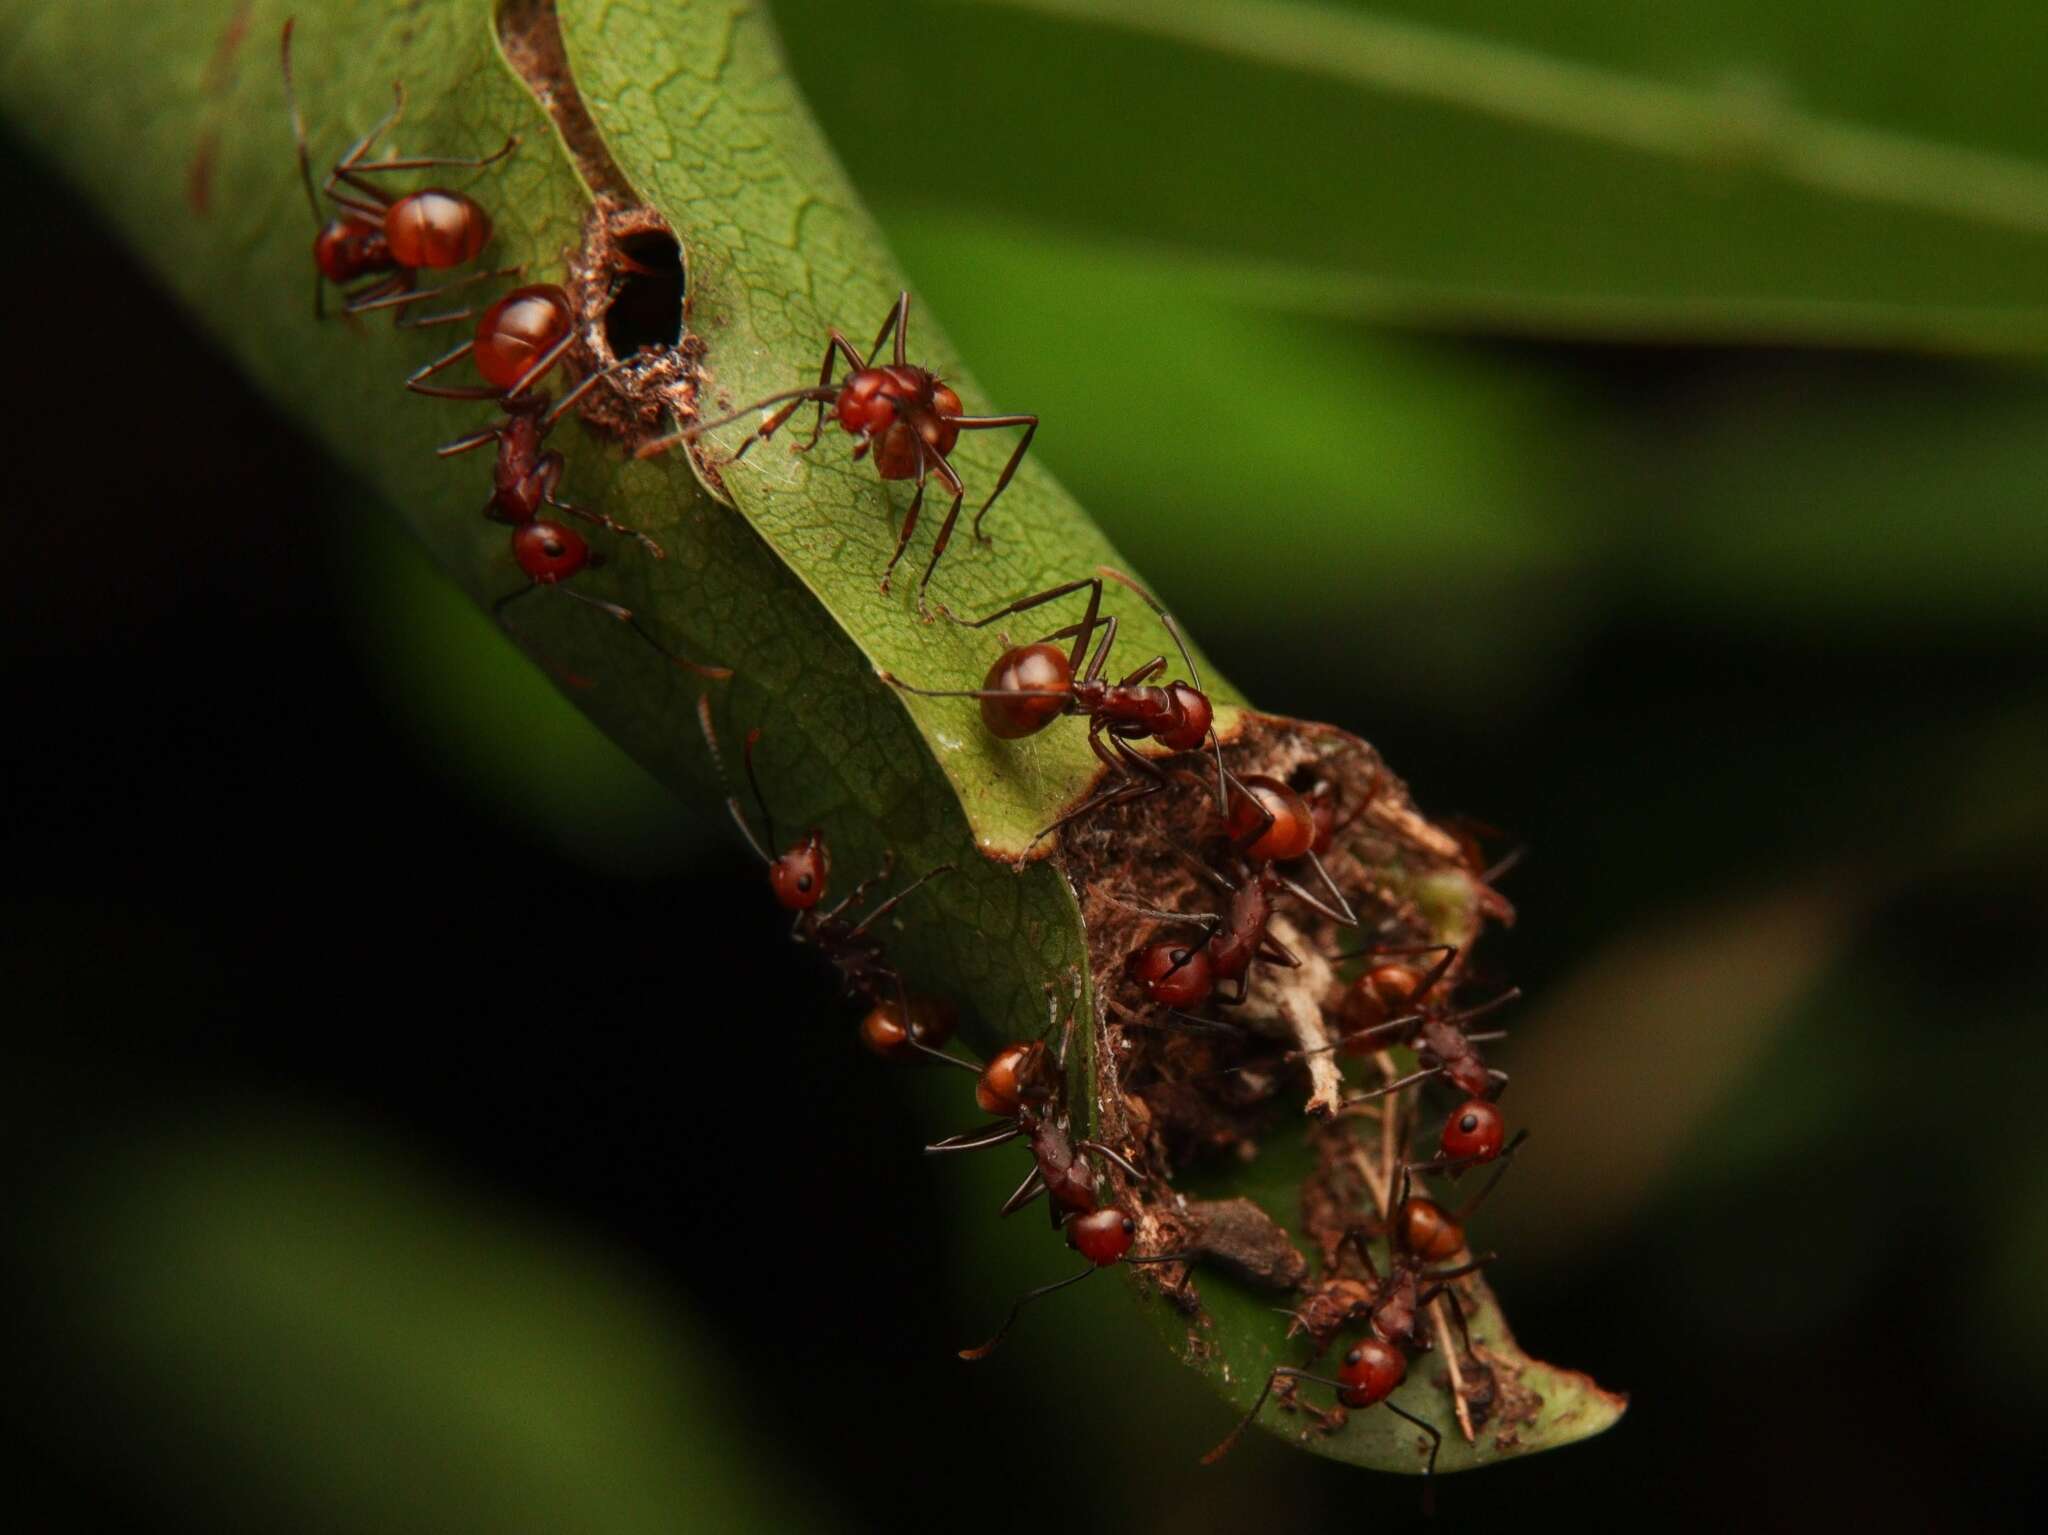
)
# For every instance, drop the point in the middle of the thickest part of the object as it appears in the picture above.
(859, 892)
(977, 1140)
(1341, 913)
(897, 899)
(1114, 1156)
(358, 168)
(1207, 921)
(1394, 1086)
(987, 423)
(903, 533)
(1081, 631)
(1032, 1186)
(898, 325)
(610, 525)
(416, 381)
(938, 551)
(468, 444)
(1436, 1443)
(409, 295)
(1152, 667)
(1286, 1370)
(625, 616)
(361, 147)
(1506, 1160)
(794, 398)
(1018, 1305)
(836, 345)
(377, 288)
(498, 607)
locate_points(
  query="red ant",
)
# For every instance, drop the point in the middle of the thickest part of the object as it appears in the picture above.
(1022, 1083)
(523, 480)
(1420, 1233)
(431, 229)
(905, 413)
(1030, 686)
(1179, 977)
(897, 1025)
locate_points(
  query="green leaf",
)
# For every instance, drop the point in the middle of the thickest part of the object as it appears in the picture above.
(690, 113)
(373, 1348)
(1752, 172)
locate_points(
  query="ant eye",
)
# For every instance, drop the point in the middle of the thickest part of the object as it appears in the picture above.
(1129, 1225)
(804, 883)
(1469, 1123)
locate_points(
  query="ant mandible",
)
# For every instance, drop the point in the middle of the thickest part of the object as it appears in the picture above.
(905, 413)
(1030, 686)
(389, 238)
(524, 479)
(897, 1025)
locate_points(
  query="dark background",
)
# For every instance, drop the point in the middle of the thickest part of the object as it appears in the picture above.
(376, 1169)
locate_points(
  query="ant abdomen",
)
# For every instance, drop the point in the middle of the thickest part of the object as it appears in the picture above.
(1268, 821)
(436, 228)
(1036, 681)
(1429, 1231)
(932, 1021)
(520, 329)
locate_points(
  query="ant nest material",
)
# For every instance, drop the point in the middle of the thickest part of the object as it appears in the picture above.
(1177, 1094)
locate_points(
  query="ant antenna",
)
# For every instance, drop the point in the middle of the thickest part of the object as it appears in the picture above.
(291, 101)
(732, 802)
(753, 780)
(1194, 675)
(1018, 1305)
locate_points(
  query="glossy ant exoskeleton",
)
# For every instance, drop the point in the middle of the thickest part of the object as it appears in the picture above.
(897, 1025)
(1030, 686)
(518, 339)
(905, 413)
(1420, 1233)
(524, 479)
(390, 239)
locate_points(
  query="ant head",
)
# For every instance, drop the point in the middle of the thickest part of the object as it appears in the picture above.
(1192, 705)
(798, 876)
(548, 552)
(932, 1021)
(1370, 1372)
(1036, 682)
(1267, 821)
(1428, 1231)
(1174, 974)
(867, 402)
(1102, 1236)
(1475, 1132)
(434, 228)
(518, 330)
(346, 248)
(1014, 1076)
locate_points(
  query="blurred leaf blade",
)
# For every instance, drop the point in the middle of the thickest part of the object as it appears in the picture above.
(381, 1351)
(1469, 172)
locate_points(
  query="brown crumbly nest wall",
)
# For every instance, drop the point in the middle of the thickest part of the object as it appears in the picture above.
(1174, 1098)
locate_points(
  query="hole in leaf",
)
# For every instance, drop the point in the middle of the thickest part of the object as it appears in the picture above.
(646, 307)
